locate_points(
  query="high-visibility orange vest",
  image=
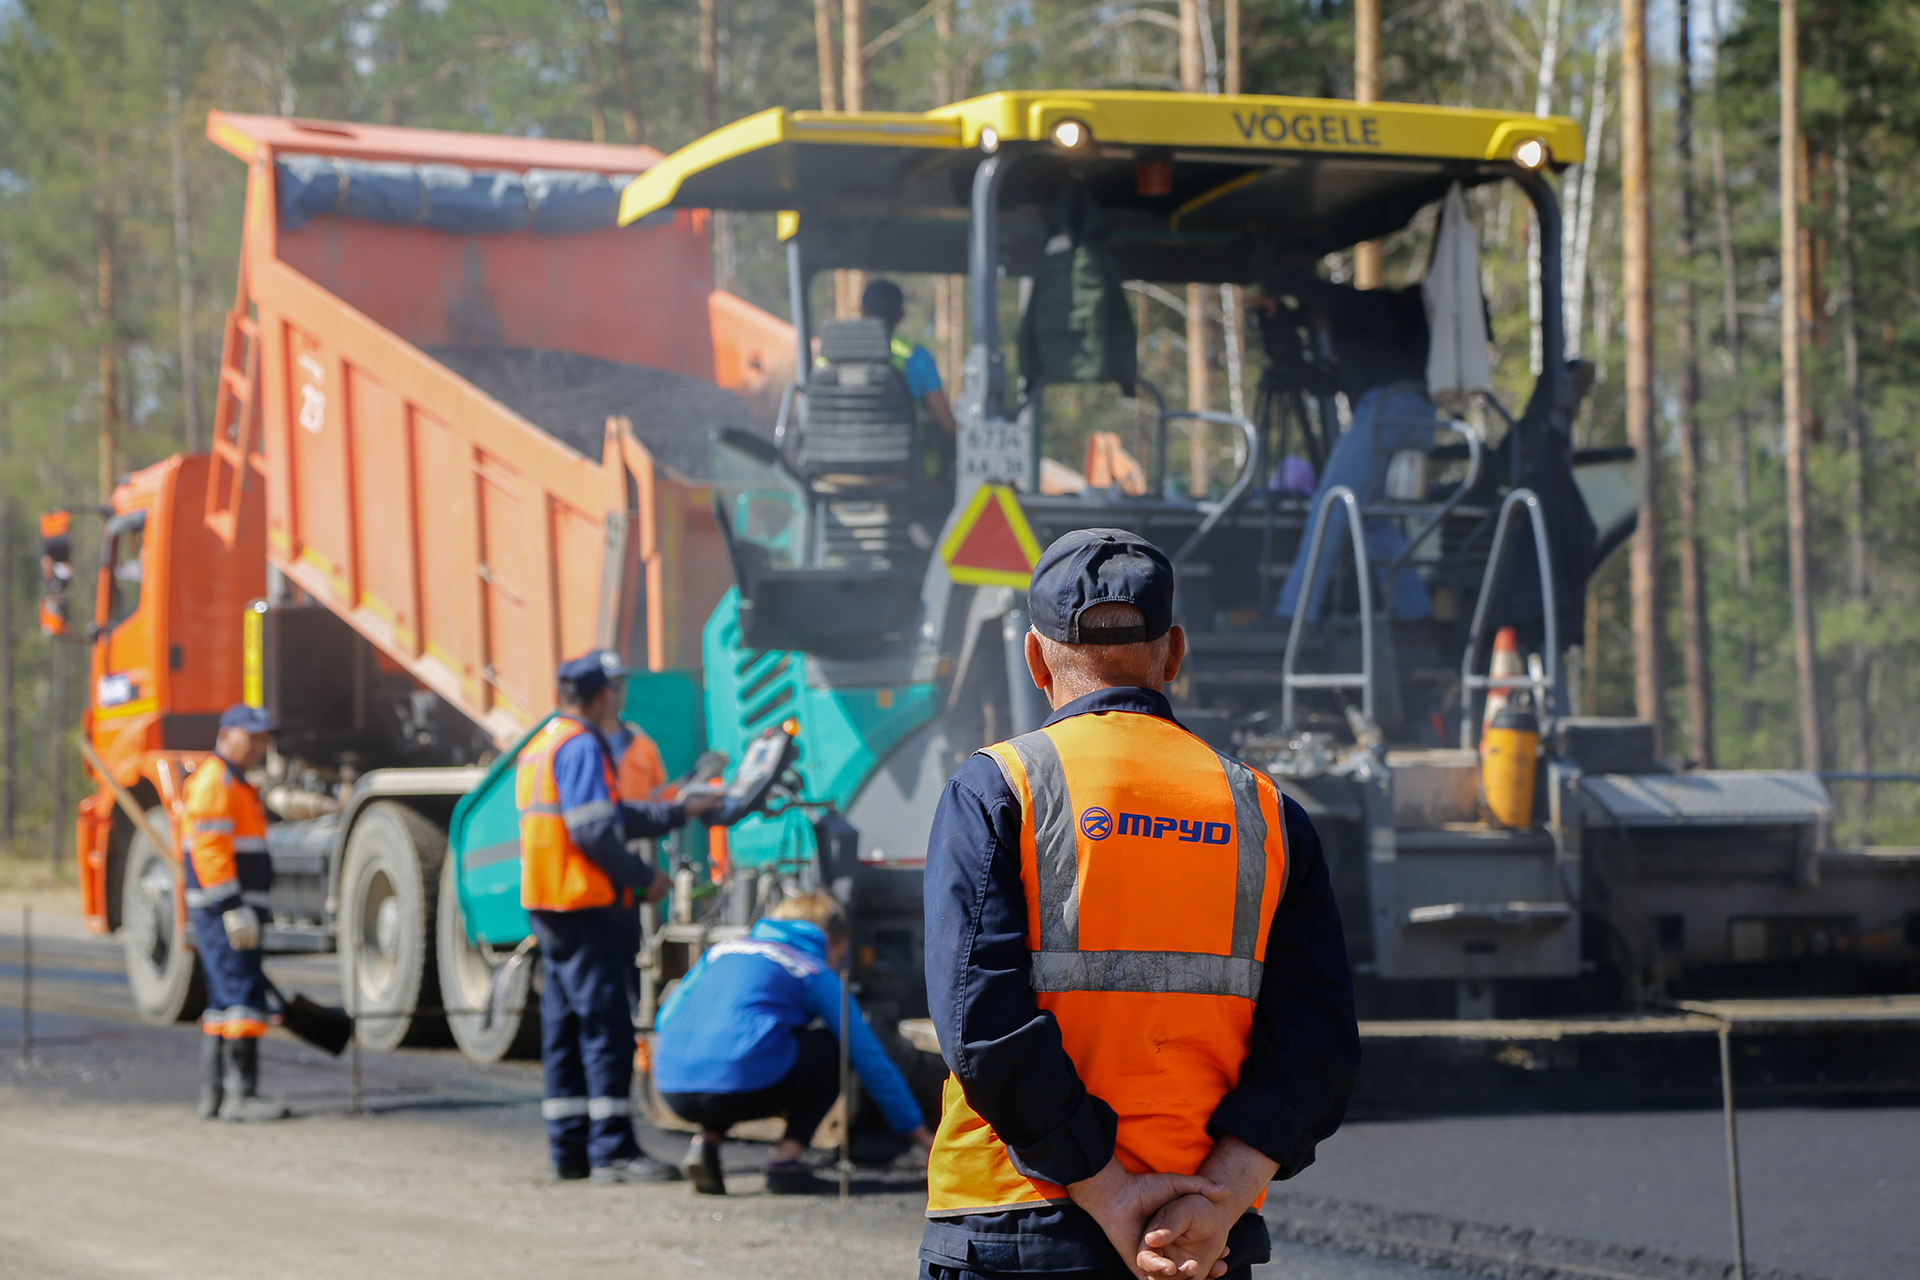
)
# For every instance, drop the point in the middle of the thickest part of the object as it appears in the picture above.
(1152, 868)
(224, 838)
(554, 874)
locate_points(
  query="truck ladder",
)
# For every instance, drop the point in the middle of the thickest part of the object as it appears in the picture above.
(1363, 573)
(236, 418)
(1548, 695)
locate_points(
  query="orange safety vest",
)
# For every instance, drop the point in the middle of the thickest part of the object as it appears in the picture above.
(554, 874)
(225, 823)
(1152, 867)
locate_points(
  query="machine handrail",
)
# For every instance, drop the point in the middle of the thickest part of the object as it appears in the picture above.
(1475, 457)
(1547, 684)
(1240, 485)
(1363, 678)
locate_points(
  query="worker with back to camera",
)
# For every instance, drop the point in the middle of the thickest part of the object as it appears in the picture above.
(579, 883)
(228, 875)
(737, 1042)
(1134, 960)
(883, 301)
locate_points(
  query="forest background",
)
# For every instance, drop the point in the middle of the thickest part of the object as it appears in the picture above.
(119, 222)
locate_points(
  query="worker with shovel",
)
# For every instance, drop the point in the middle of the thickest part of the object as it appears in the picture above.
(228, 874)
(578, 882)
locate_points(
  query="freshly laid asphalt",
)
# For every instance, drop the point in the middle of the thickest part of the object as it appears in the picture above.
(1829, 1191)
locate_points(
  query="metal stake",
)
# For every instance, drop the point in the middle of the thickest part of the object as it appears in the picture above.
(1733, 1152)
(846, 1073)
(26, 987)
(352, 995)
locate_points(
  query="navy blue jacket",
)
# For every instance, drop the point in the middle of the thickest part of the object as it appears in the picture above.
(1007, 1053)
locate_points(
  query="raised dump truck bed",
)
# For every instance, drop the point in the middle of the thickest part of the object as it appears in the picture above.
(461, 433)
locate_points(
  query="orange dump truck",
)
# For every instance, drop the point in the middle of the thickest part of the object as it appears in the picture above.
(461, 432)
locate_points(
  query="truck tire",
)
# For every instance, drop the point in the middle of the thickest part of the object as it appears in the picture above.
(162, 970)
(389, 882)
(466, 989)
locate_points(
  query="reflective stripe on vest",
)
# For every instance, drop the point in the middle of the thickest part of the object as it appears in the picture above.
(554, 874)
(1152, 868)
(1060, 964)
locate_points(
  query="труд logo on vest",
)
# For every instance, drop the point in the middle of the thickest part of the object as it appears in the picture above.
(1098, 824)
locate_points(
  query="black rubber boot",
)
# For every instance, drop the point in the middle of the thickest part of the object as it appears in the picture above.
(211, 1065)
(703, 1166)
(242, 1085)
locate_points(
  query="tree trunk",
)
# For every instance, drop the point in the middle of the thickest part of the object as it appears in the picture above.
(709, 65)
(849, 285)
(183, 259)
(623, 73)
(1199, 366)
(1742, 425)
(1368, 267)
(1799, 574)
(109, 351)
(1542, 106)
(1859, 580)
(9, 737)
(1696, 643)
(57, 765)
(823, 47)
(1649, 629)
(1579, 221)
(1230, 73)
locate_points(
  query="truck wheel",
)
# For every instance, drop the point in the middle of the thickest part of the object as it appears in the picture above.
(162, 970)
(390, 880)
(466, 989)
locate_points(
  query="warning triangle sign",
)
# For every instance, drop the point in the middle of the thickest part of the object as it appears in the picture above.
(991, 544)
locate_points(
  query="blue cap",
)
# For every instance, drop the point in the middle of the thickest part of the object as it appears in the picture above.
(588, 674)
(252, 719)
(1100, 566)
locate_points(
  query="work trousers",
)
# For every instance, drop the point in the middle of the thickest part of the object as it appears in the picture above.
(236, 982)
(586, 1036)
(804, 1095)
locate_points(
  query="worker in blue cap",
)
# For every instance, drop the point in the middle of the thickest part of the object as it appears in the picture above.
(579, 882)
(1139, 977)
(228, 875)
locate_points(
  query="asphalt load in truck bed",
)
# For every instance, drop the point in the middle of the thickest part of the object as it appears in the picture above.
(571, 396)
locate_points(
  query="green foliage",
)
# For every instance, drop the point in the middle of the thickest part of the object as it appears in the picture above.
(86, 181)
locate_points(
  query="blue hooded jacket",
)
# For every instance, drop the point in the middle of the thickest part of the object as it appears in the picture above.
(733, 1024)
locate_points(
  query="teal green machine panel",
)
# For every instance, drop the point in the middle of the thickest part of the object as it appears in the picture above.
(845, 730)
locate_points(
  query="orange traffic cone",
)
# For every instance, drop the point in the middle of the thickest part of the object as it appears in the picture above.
(1506, 662)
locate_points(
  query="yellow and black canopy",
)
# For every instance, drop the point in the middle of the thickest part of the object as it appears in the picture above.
(1189, 186)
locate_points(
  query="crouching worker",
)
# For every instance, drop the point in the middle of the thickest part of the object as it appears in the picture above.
(578, 882)
(736, 1043)
(228, 876)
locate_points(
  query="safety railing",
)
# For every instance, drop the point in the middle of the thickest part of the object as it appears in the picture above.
(1362, 679)
(1249, 468)
(1547, 692)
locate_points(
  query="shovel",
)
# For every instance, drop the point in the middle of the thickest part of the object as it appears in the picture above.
(319, 1026)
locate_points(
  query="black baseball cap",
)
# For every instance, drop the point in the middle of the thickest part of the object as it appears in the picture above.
(588, 674)
(1100, 566)
(252, 719)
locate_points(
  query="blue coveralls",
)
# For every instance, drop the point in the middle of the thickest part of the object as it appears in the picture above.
(586, 1023)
